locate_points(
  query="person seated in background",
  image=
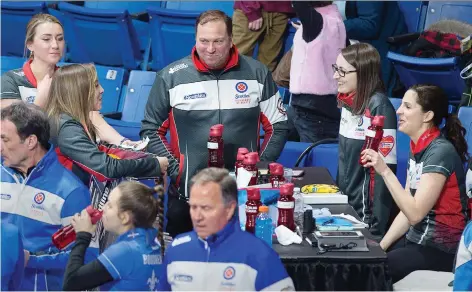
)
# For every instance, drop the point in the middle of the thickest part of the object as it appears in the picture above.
(373, 22)
(74, 93)
(218, 246)
(318, 41)
(433, 204)
(13, 257)
(361, 95)
(261, 23)
(133, 261)
(214, 85)
(45, 41)
(39, 195)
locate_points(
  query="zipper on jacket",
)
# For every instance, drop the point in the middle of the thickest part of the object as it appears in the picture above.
(218, 93)
(207, 248)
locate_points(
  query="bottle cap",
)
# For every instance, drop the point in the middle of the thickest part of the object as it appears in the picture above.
(253, 194)
(243, 150)
(95, 215)
(264, 209)
(216, 130)
(296, 190)
(378, 121)
(251, 158)
(276, 168)
(286, 189)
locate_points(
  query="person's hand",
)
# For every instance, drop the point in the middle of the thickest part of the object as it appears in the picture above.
(296, 25)
(255, 25)
(373, 159)
(164, 163)
(43, 90)
(383, 246)
(27, 256)
(83, 223)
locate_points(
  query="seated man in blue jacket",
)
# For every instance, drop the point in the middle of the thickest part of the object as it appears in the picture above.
(217, 255)
(39, 195)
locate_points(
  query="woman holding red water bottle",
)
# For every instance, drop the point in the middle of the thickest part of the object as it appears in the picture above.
(365, 112)
(433, 204)
(133, 261)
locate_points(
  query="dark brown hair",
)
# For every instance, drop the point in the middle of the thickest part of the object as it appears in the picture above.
(138, 199)
(215, 15)
(366, 60)
(433, 98)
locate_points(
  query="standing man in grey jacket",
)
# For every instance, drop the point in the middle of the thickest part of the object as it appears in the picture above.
(214, 85)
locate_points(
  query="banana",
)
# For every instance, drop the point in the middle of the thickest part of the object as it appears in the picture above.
(320, 188)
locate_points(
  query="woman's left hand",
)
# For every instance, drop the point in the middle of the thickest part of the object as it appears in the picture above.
(83, 223)
(373, 159)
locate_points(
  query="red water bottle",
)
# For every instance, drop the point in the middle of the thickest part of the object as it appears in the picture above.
(249, 164)
(373, 135)
(286, 206)
(252, 208)
(239, 159)
(215, 146)
(276, 171)
(66, 235)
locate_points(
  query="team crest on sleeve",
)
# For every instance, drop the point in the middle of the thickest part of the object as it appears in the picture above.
(280, 107)
(39, 198)
(241, 87)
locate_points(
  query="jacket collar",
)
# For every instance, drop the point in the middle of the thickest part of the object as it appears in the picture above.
(133, 234)
(231, 227)
(425, 139)
(29, 73)
(48, 159)
(202, 67)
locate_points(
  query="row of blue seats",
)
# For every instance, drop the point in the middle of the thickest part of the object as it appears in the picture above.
(443, 72)
(150, 35)
(130, 100)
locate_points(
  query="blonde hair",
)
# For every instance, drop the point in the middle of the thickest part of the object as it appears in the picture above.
(34, 22)
(72, 92)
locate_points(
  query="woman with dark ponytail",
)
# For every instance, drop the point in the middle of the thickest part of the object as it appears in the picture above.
(133, 261)
(433, 205)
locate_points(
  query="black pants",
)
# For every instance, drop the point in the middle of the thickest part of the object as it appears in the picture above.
(413, 257)
(178, 216)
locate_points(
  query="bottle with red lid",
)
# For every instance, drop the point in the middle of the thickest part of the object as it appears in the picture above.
(66, 235)
(373, 135)
(276, 171)
(286, 206)
(249, 164)
(240, 158)
(252, 208)
(215, 146)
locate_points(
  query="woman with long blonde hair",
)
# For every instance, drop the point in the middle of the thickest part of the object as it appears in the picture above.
(74, 93)
(45, 42)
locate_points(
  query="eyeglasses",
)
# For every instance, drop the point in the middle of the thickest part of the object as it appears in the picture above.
(341, 72)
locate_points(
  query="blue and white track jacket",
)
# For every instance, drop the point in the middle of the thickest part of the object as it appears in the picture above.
(38, 206)
(231, 259)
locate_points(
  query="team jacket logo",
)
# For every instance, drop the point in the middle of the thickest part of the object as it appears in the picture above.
(5, 196)
(241, 87)
(39, 198)
(386, 145)
(183, 278)
(229, 273)
(195, 96)
(177, 68)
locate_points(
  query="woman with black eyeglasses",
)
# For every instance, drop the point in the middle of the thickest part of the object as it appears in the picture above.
(361, 95)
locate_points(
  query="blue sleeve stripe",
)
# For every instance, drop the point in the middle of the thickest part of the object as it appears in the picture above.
(110, 264)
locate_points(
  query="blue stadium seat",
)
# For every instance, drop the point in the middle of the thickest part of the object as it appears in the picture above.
(170, 27)
(225, 6)
(139, 87)
(414, 13)
(324, 155)
(438, 10)
(15, 17)
(134, 8)
(443, 72)
(465, 116)
(112, 80)
(103, 36)
(291, 152)
(10, 63)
